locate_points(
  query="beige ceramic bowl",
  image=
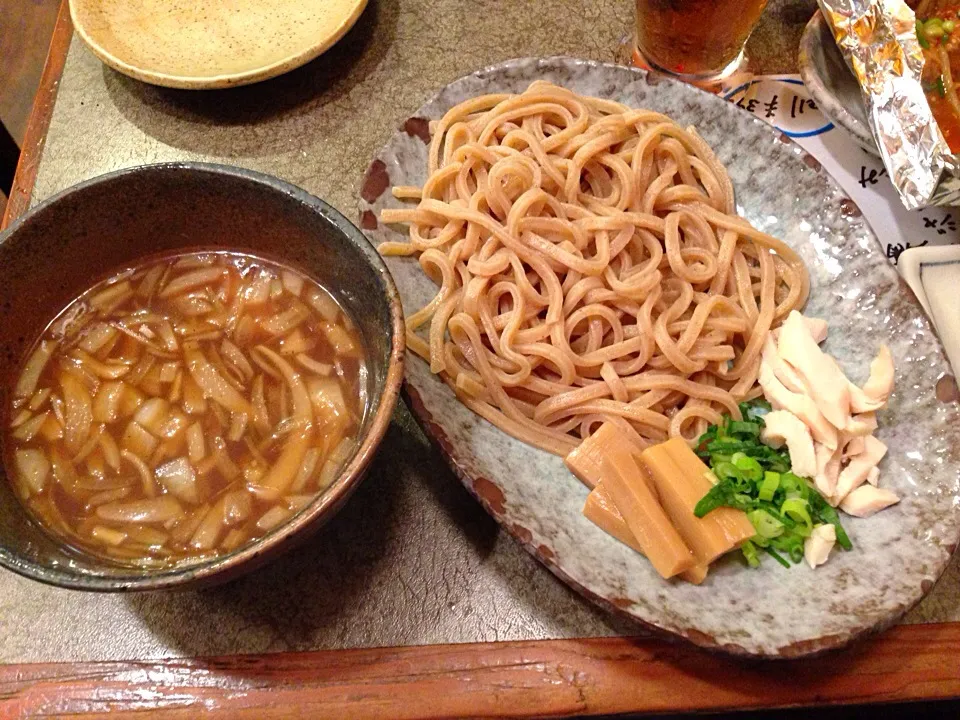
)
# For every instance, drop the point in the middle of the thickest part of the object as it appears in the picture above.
(199, 44)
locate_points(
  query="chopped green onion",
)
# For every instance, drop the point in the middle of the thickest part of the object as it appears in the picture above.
(724, 470)
(796, 509)
(720, 495)
(755, 410)
(788, 482)
(776, 556)
(920, 38)
(765, 524)
(949, 25)
(771, 481)
(748, 466)
(829, 514)
(749, 551)
(738, 427)
(755, 478)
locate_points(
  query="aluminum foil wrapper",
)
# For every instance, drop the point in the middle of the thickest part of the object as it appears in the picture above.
(878, 39)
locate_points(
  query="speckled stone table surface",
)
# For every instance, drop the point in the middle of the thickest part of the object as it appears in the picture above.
(412, 559)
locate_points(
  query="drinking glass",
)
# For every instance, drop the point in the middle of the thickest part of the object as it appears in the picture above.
(695, 40)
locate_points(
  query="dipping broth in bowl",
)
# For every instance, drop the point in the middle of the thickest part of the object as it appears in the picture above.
(184, 407)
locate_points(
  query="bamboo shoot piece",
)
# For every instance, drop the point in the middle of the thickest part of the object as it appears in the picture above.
(111, 453)
(323, 304)
(98, 335)
(681, 480)
(273, 517)
(196, 447)
(138, 441)
(105, 371)
(326, 397)
(237, 506)
(108, 536)
(586, 460)
(39, 398)
(130, 400)
(602, 512)
(632, 494)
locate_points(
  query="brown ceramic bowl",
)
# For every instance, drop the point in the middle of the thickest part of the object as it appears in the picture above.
(65, 244)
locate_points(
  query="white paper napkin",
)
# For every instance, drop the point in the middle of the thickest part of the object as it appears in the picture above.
(934, 275)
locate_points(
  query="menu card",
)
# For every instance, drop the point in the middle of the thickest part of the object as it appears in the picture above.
(783, 101)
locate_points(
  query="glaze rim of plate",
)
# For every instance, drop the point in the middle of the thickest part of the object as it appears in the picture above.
(940, 530)
(215, 82)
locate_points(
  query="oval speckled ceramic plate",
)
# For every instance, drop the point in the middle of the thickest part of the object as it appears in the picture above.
(199, 45)
(772, 612)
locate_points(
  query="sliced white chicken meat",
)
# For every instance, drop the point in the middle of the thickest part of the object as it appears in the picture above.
(873, 477)
(817, 547)
(861, 403)
(821, 375)
(876, 390)
(880, 383)
(854, 446)
(867, 500)
(861, 425)
(828, 470)
(782, 426)
(857, 470)
(799, 404)
(785, 374)
(817, 328)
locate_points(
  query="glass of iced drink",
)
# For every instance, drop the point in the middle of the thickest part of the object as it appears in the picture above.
(695, 40)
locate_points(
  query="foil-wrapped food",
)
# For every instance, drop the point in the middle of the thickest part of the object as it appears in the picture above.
(902, 59)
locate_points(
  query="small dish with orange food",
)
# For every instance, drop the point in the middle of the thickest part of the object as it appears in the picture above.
(937, 32)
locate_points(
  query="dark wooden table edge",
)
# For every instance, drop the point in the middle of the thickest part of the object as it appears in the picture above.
(548, 678)
(586, 676)
(39, 120)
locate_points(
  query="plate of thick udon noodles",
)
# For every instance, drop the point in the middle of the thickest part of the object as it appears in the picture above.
(578, 244)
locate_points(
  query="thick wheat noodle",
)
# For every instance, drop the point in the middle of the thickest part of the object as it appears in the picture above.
(591, 268)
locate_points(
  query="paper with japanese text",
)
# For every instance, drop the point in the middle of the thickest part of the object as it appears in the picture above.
(782, 101)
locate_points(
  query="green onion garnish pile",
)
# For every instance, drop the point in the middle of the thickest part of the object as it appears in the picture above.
(755, 478)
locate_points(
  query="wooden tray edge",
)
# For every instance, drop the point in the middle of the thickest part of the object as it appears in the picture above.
(512, 679)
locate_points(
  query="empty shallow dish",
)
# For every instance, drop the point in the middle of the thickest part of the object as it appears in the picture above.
(197, 45)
